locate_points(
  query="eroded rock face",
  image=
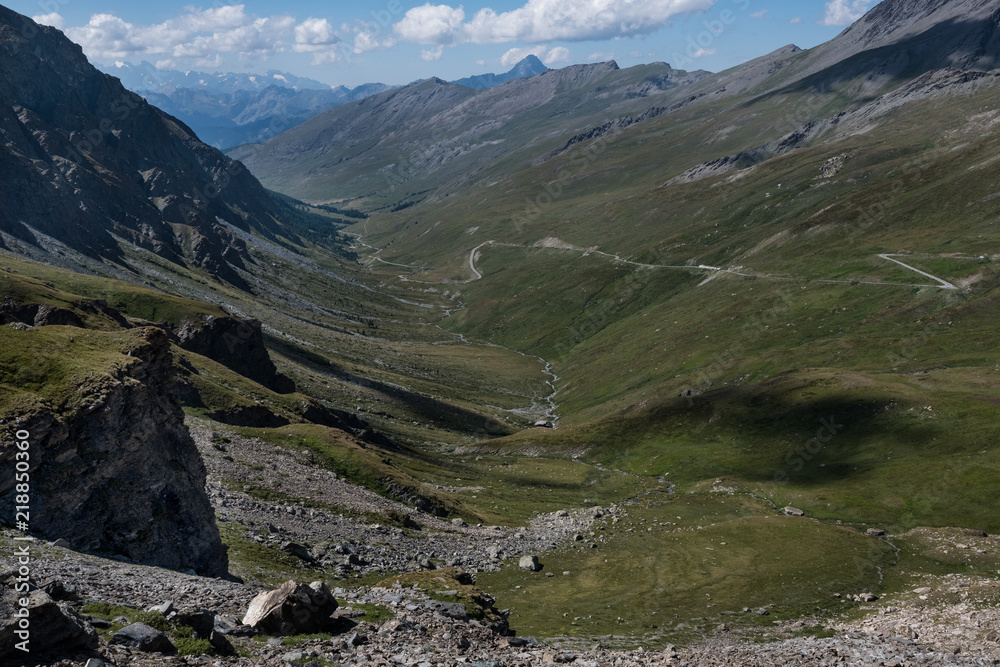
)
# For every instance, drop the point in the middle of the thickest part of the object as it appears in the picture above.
(118, 473)
(291, 609)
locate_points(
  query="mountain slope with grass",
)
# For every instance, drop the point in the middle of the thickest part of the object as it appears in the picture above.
(781, 285)
(446, 137)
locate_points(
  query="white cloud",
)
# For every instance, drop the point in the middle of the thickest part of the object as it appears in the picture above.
(165, 64)
(543, 20)
(759, 15)
(559, 54)
(209, 63)
(368, 40)
(431, 24)
(430, 55)
(844, 12)
(700, 53)
(795, 20)
(313, 33)
(53, 19)
(201, 35)
(317, 36)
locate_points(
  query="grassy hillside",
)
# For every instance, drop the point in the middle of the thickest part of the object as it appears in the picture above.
(812, 328)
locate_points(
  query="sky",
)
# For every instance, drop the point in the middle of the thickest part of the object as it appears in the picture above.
(398, 41)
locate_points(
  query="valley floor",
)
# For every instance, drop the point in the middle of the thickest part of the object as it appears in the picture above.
(384, 561)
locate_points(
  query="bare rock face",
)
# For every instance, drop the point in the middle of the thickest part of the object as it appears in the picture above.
(291, 609)
(120, 474)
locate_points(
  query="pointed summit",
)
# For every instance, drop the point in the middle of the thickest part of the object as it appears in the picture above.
(527, 67)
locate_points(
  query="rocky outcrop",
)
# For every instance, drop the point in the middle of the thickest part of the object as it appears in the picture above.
(119, 473)
(36, 315)
(236, 344)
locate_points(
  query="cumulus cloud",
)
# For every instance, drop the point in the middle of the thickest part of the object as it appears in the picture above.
(369, 40)
(53, 19)
(759, 15)
(430, 55)
(542, 20)
(431, 24)
(317, 36)
(559, 54)
(203, 36)
(845, 12)
(313, 33)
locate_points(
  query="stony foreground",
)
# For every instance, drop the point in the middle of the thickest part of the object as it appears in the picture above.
(424, 632)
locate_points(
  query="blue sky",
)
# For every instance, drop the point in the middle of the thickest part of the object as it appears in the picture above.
(398, 41)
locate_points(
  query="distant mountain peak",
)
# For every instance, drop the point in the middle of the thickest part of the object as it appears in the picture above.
(527, 67)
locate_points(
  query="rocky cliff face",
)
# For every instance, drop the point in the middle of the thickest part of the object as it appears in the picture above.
(119, 473)
(91, 165)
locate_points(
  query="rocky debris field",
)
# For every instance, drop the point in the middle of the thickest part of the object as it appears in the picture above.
(339, 528)
(404, 625)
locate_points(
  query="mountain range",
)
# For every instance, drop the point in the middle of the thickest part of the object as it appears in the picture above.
(720, 348)
(230, 109)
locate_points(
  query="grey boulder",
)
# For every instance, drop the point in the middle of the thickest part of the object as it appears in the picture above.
(144, 638)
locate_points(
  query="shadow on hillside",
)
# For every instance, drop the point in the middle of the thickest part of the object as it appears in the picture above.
(804, 430)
